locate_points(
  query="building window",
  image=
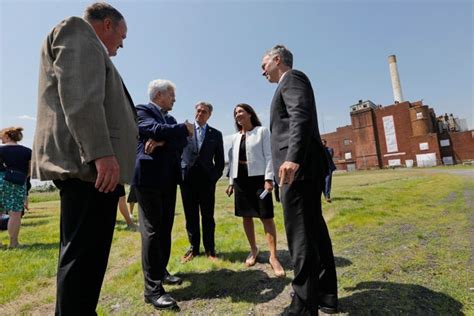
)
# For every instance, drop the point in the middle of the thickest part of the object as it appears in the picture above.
(394, 162)
(448, 160)
(424, 146)
(444, 142)
(348, 156)
(419, 115)
(347, 142)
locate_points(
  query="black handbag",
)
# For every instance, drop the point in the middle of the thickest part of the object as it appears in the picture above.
(14, 176)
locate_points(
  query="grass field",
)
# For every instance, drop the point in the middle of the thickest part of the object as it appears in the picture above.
(403, 241)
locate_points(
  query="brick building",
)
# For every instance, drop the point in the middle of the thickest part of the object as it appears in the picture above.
(401, 134)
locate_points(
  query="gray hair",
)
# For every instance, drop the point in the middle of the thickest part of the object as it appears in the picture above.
(99, 11)
(206, 104)
(284, 53)
(159, 85)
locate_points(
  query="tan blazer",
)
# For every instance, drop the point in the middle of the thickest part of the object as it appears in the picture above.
(84, 110)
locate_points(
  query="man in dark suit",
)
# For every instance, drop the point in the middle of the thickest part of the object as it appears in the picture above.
(157, 173)
(300, 165)
(85, 142)
(328, 180)
(202, 165)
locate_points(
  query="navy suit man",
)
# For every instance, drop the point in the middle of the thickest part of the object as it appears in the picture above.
(300, 163)
(157, 173)
(328, 180)
(202, 165)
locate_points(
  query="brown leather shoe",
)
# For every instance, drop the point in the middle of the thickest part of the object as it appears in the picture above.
(188, 256)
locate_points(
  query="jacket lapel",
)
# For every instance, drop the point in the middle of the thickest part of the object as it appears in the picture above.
(207, 136)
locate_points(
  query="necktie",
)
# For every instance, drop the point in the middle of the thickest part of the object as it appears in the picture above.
(200, 137)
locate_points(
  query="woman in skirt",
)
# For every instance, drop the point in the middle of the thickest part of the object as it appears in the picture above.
(251, 178)
(13, 196)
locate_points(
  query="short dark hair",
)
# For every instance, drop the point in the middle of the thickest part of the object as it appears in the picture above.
(253, 116)
(100, 10)
(206, 104)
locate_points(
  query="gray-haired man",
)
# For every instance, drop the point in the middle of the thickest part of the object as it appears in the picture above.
(157, 174)
(300, 164)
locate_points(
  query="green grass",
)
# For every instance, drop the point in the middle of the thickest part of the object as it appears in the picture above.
(401, 240)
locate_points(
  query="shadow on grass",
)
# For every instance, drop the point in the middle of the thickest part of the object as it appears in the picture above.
(29, 215)
(346, 198)
(283, 256)
(387, 298)
(27, 223)
(253, 286)
(263, 257)
(38, 246)
(342, 262)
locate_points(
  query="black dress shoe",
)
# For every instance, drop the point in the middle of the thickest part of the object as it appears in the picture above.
(328, 303)
(328, 309)
(164, 301)
(172, 280)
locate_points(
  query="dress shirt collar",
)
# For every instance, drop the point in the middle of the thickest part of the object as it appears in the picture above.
(196, 125)
(283, 75)
(164, 112)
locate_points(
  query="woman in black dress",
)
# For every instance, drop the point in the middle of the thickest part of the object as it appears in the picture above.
(251, 178)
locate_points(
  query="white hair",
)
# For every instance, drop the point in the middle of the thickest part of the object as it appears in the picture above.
(159, 85)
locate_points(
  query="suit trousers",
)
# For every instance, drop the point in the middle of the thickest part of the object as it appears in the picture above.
(198, 194)
(327, 187)
(156, 208)
(87, 226)
(315, 279)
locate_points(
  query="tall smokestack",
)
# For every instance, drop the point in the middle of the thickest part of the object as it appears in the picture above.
(396, 87)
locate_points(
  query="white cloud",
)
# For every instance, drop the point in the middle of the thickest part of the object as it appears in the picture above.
(26, 117)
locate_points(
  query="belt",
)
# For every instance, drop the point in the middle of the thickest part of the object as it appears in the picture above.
(242, 162)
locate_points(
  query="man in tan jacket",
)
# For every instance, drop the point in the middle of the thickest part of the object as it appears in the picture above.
(85, 142)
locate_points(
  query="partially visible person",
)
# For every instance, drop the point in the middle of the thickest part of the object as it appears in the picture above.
(85, 141)
(132, 200)
(300, 165)
(13, 179)
(332, 167)
(157, 174)
(251, 178)
(202, 165)
(122, 206)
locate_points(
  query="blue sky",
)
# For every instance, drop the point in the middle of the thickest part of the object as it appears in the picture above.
(212, 51)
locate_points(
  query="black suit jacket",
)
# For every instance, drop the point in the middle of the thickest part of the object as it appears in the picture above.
(210, 157)
(294, 127)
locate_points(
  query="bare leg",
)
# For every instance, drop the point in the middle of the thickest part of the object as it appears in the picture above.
(14, 228)
(250, 233)
(122, 205)
(270, 234)
(131, 206)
